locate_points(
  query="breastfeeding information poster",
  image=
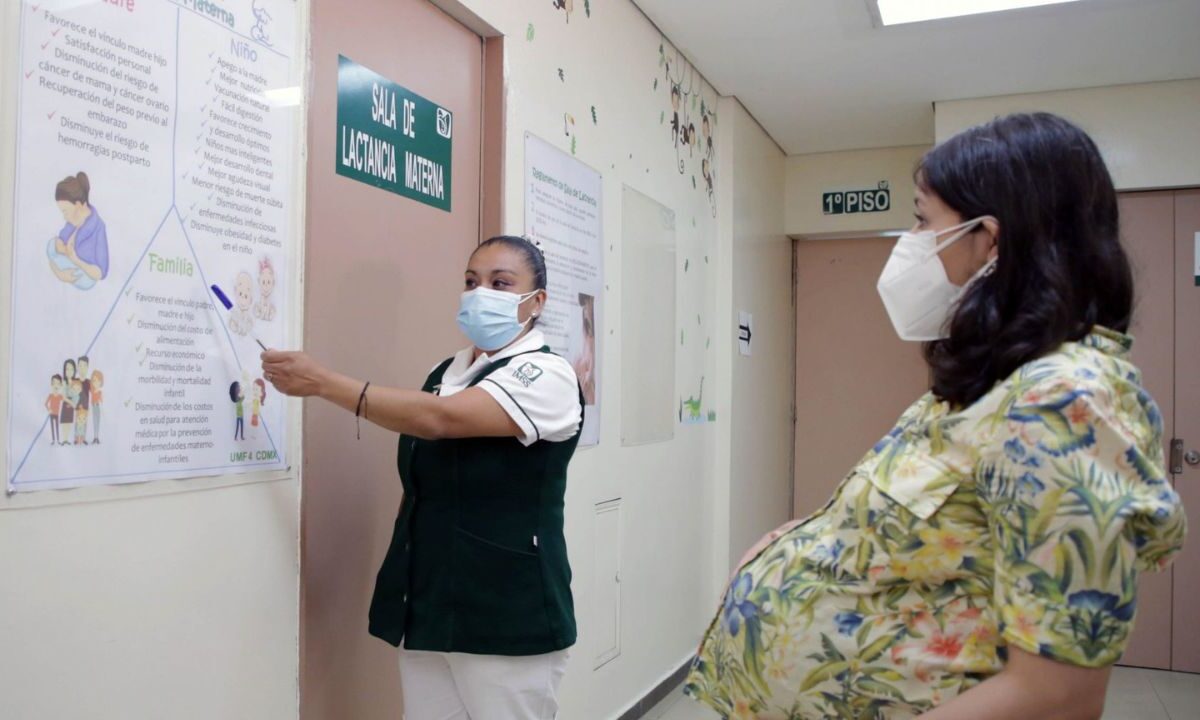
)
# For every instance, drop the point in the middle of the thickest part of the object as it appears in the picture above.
(156, 143)
(563, 217)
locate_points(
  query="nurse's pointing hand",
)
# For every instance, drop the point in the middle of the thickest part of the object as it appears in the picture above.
(293, 373)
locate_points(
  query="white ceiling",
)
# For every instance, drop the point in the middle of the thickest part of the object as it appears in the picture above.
(819, 76)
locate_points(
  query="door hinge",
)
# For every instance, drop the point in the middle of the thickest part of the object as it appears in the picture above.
(1176, 456)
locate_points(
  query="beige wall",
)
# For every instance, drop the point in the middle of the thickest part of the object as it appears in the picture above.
(760, 385)
(1149, 133)
(180, 605)
(809, 176)
(171, 599)
(666, 488)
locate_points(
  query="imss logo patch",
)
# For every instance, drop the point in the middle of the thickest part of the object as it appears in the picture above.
(528, 374)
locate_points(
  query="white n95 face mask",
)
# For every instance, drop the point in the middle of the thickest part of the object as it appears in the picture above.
(916, 292)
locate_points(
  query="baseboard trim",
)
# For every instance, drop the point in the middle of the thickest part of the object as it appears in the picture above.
(657, 694)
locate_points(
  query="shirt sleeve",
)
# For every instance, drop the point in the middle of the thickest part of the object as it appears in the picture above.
(540, 393)
(1077, 503)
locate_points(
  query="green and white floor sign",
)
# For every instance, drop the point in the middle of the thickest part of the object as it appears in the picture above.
(391, 137)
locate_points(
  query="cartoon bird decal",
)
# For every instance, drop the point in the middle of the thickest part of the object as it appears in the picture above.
(567, 6)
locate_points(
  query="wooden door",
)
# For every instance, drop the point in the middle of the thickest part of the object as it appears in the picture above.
(383, 277)
(1148, 233)
(854, 376)
(1185, 636)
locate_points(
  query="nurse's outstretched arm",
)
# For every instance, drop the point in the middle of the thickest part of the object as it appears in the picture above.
(470, 413)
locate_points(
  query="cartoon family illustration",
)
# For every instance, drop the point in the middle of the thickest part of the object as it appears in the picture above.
(237, 395)
(74, 397)
(246, 309)
(79, 253)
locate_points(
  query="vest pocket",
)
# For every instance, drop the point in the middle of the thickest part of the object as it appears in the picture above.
(499, 595)
(497, 546)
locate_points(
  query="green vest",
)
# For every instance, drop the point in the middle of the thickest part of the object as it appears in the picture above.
(478, 561)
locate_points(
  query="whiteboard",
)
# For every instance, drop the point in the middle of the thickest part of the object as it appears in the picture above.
(648, 328)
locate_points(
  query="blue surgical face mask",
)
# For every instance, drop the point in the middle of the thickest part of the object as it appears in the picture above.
(489, 317)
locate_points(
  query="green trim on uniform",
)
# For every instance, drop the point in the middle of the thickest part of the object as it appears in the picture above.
(478, 561)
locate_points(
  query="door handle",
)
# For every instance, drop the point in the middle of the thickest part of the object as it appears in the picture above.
(1179, 457)
(1176, 456)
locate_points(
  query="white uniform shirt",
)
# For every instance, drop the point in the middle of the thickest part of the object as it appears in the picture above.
(539, 391)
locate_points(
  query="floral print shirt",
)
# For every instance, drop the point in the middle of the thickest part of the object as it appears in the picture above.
(1020, 521)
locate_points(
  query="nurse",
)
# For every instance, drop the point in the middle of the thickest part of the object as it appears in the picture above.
(476, 583)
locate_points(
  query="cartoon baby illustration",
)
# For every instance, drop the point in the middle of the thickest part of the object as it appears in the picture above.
(262, 24)
(264, 309)
(241, 319)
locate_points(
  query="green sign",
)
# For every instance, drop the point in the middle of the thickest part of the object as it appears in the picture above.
(392, 138)
(846, 202)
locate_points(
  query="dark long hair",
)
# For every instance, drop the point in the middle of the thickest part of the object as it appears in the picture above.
(535, 261)
(1061, 269)
(73, 188)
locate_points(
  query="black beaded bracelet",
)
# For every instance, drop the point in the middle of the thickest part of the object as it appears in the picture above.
(360, 410)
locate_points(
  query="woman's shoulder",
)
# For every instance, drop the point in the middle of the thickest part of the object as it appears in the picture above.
(1099, 362)
(535, 373)
(93, 224)
(442, 366)
(1082, 385)
(542, 363)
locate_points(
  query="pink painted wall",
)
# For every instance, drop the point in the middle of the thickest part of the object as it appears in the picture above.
(383, 274)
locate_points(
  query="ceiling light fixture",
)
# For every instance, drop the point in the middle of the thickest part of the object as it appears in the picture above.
(899, 12)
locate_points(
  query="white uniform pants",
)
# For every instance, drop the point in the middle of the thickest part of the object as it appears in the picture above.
(458, 686)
